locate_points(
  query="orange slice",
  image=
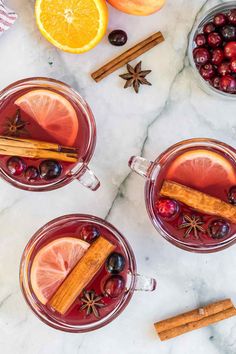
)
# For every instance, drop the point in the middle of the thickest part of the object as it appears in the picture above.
(53, 112)
(71, 25)
(202, 168)
(53, 263)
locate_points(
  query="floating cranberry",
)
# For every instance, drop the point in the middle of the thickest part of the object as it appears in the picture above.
(216, 82)
(233, 65)
(217, 56)
(115, 263)
(232, 17)
(200, 40)
(224, 68)
(214, 39)
(218, 229)
(89, 233)
(118, 37)
(232, 195)
(228, 84)
(228, 33)
(220, 20)
(114, 286)
(207, 71)
(167, 208)
(209, 27)
(230, 50)
(16, 166)
(50, 169)
(201, 56)
(31, 174)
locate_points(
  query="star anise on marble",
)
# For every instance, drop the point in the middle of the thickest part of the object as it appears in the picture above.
(192, 224)
(92, 302)
(14, 126)
(136, 77)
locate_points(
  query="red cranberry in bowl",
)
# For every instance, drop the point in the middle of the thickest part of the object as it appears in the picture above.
(228, 84)
(214, 40)
(200, 40)
(209, 27)
(233, 65)
(201, 56)
(230, 50)
(217, 56)
(216, 82)
(220, 20)
(232, 17)
(228, 33)
(224, 68)
(207, 71)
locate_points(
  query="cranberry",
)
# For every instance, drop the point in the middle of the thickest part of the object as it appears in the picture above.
(207, 71)
(230, 50)
(214, 39)
(114, 286)
(200, 40)
(228, 84)
(224, 68)
(217, 56)
(89, 233)
(209, 27)
(118, 38)
(233, 65)
(201, 56)
(115, 263)
(216, 82)
(50, 169)
(31, 173)
(167, 208)
(232, 195)
(228, 33)
(220, 20)
(232, 17)
(218, 229)
(16, 166)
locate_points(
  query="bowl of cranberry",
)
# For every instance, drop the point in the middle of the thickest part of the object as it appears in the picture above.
(212, 50)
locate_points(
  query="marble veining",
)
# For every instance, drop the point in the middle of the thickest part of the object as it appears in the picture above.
(174, 108)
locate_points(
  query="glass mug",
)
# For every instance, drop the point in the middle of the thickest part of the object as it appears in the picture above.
(87, 130)
(205, 165)
(78, 225)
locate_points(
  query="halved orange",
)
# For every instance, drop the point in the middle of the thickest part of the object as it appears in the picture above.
(74, 26)
(202, 168)
(53, 112)
(53, 263)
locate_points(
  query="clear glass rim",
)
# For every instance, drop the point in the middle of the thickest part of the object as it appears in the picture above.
(199, 23)
(153, 174)
(24, 281)
(61, 87)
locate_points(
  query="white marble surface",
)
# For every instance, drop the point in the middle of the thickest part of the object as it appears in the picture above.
(174, 108)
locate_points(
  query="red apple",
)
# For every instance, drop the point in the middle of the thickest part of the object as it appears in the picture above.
(138, 7)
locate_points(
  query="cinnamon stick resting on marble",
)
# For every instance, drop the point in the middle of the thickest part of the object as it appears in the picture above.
(195, 319)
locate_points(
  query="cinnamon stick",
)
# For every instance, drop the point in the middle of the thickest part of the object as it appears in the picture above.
(81, 275)
(128, 56)
(199, 201)
(193, 316)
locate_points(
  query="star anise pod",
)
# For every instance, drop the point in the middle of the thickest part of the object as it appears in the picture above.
(136, 77)
(92, 302)
(15, 125)
(192, 224)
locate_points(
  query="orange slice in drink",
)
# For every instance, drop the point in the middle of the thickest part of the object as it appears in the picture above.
(201, 168)
(74, 26)
(53, 112)
(53, 263)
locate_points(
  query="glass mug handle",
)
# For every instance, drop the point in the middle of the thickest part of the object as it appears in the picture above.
(88, 179)
(143, 283)
(140, 165)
